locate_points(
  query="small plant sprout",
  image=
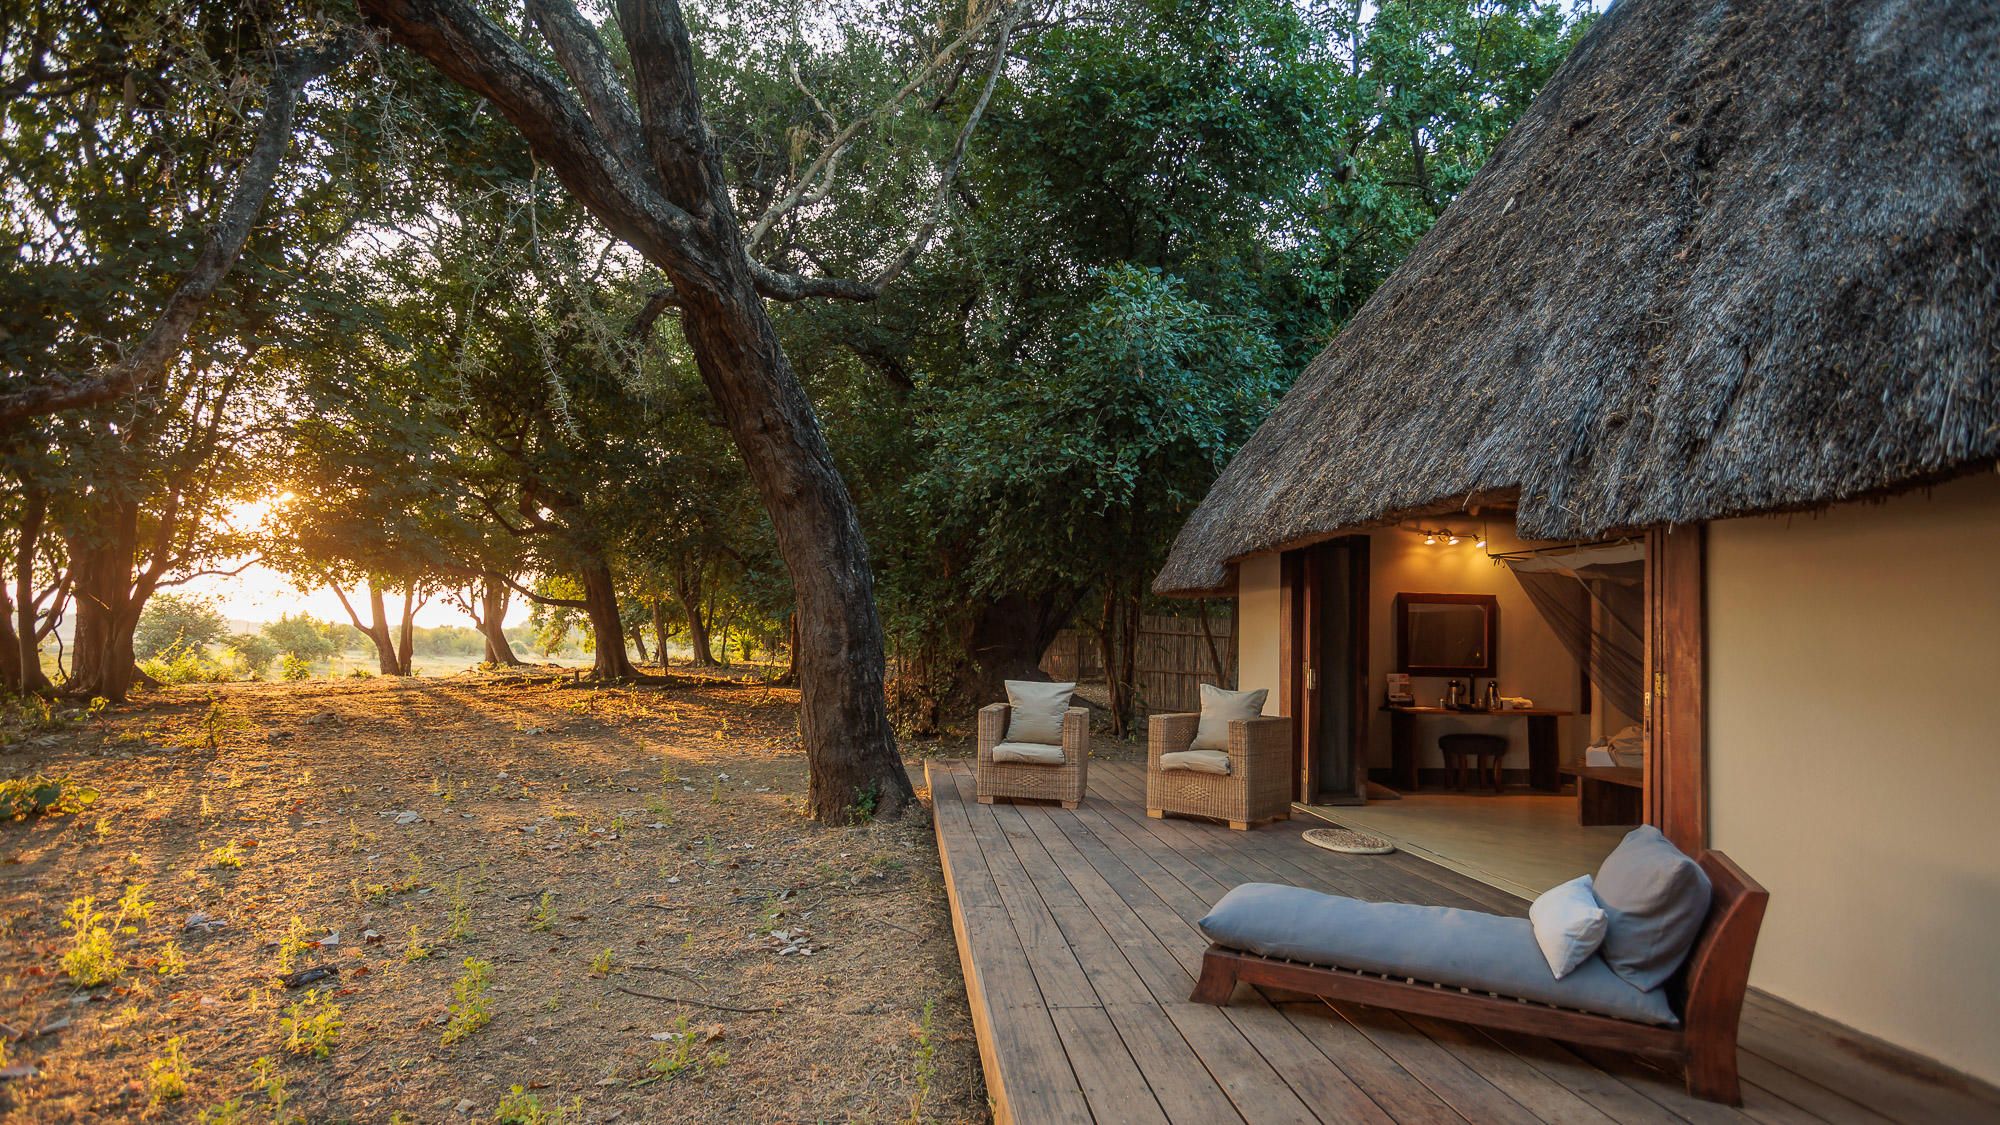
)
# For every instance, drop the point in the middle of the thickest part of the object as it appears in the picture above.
(676, 1056)
(519, 1107)
(92, 958)
(172, 962)
(544, 916)
(296, 940)
(311, 1025)
(459, 910)
(265, 1072)
(600, 965)
(924, 1072)
(167, 1076)
(229, 1112)
(470, 1008)
(228, 855)
(619, 824)
(715, 791)
(416, 950)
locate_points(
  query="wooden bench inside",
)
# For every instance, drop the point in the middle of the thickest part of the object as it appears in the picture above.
(1608, 794)
(1707, 991)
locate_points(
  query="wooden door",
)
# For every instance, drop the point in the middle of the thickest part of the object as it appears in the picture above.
(1323, 649)
(1676, 776)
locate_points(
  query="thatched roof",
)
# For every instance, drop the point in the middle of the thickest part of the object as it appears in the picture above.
(1739, 256)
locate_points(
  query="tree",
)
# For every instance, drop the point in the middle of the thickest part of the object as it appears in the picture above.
(155, 237)
(642, 162)
(255, 651)
(178, 622)
(302, 637)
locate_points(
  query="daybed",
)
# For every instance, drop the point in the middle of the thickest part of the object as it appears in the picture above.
(1487, 969)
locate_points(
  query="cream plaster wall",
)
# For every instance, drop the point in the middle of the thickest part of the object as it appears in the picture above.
(1854, 759)
(1258, 624)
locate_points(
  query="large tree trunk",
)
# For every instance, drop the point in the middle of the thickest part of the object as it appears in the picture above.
(107, 603)
(492, 623)
(607, 630)
(647, 166)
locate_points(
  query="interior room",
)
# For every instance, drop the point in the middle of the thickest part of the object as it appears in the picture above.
(1486, 680)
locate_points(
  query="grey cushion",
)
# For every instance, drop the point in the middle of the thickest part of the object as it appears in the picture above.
(1464, 948)
(1028, 753)
(1035, 711)
(1655, 899)
(1202, 761)
(1219, 708)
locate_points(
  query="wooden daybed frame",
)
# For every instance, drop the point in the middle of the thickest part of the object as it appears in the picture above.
(1707, 991)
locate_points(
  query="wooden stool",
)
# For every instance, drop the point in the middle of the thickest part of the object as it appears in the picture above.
(1455, 747)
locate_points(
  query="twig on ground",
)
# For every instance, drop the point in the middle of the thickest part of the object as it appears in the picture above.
(689, 1000)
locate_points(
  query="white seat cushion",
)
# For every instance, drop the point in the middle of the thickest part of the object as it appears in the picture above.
(1201, 761)
(1035, 711)
(1219, 708)
(1028, 753)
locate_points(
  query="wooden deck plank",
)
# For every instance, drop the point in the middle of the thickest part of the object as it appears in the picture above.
(1077, 935)
(1027, 1072)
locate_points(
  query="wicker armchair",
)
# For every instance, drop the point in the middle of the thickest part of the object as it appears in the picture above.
(1258, 786)
(1063, 783)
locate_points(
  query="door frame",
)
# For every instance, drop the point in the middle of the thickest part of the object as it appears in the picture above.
(1675, 720)
(1301, 688)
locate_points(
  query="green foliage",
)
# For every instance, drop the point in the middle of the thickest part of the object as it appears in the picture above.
(167, 1076)
(254, 651)
(302, 637)
(179, 666)
(177, 623)
(40, 794)
(294, 669)
(679, 1055)
(519, 1107)
(470, 1008)
(93, 958)
(311, 1025)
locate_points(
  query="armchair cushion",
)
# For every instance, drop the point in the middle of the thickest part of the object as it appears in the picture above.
(1029, 753)
(1036, 712)
(1219, 708)
(1203, 761)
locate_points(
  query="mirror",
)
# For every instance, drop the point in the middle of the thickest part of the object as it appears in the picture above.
(1447, 634)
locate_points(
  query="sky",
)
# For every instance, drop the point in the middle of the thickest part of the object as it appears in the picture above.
(261, 594)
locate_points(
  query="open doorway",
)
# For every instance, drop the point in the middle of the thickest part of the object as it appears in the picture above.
(1546, 644)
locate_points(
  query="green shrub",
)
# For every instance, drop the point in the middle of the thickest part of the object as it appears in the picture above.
(37, 794)
(254, 651)
(187, 665)
(292, 668)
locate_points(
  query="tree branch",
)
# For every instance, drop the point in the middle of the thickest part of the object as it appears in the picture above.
(239, 215)
(544, 599)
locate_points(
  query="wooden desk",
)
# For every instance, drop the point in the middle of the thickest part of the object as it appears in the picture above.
(1609, 794)
(1544, 757)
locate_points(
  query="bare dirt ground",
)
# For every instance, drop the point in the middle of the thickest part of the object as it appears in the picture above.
(665, 937)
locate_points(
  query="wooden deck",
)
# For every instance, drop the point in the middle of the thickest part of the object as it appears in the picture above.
(1077, 939)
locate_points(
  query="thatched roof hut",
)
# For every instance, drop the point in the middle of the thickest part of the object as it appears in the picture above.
(1739, 256)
